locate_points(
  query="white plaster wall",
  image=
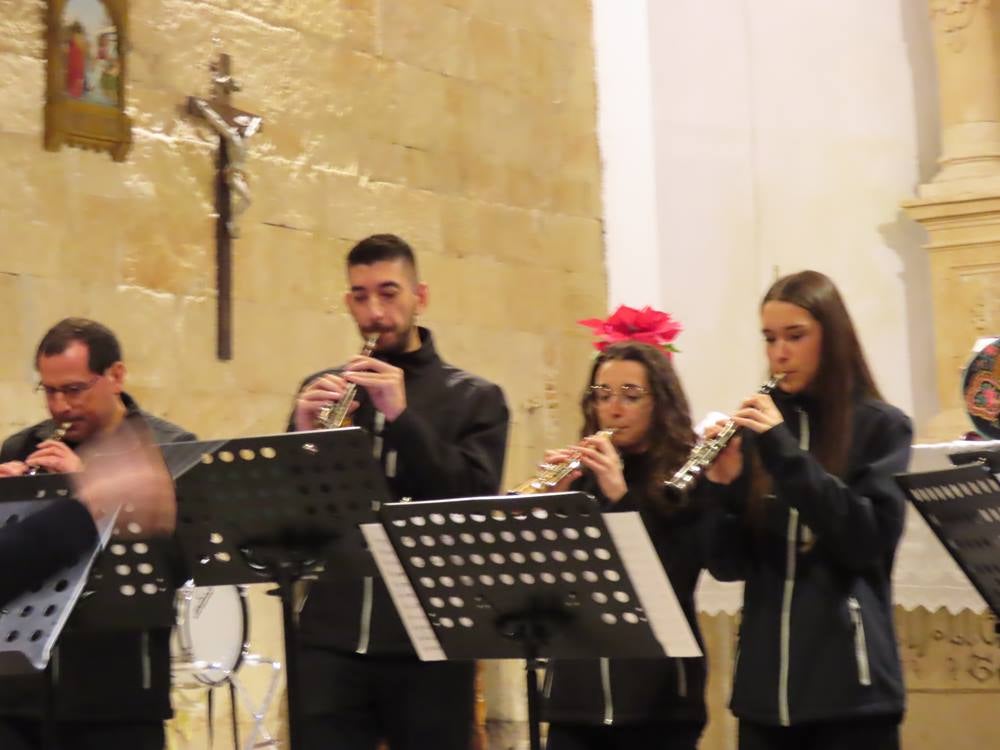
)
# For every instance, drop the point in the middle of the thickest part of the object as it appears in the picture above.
(626, 139)
(785, 134)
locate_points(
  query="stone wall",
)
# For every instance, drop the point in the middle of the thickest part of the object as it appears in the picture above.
(466, 126)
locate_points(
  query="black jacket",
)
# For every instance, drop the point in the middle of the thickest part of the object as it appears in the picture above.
(99, 676)
(448, 442)
(42, 544)
(817, 641)
(627, 691)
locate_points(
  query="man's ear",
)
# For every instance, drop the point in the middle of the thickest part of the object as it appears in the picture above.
(116, 374)
(423, 296)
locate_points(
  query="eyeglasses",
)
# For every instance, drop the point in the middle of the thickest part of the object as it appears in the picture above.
(71, 392)
(628, 394)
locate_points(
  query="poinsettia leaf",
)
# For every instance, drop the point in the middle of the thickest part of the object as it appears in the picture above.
(645, 325)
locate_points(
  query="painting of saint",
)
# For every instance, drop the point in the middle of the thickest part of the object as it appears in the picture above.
(90, 53)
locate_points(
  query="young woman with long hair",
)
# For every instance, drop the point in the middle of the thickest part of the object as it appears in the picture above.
(806, 512)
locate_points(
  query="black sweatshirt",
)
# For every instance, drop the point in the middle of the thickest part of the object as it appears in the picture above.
(629, 691)
(448, 442)
(817, 641)
(100, 676)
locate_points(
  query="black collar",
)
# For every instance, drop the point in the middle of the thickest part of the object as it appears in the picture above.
(416, 359)
(789, 402)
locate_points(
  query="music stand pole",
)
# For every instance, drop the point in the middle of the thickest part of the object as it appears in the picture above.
(532, 636)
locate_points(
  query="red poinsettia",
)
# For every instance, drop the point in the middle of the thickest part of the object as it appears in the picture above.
(647, 326)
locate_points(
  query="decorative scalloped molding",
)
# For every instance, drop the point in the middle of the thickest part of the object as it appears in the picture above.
(954, 17)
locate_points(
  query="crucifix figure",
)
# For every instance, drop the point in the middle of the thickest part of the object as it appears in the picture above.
(232, 193)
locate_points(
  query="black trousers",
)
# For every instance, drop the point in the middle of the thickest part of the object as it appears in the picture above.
(351, 702)
(875, 733)
(26, 734)
(654, 735)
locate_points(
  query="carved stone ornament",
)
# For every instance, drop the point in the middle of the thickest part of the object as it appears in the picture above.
(86, 70)
(954, 17)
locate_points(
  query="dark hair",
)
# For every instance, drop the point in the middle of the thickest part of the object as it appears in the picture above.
(102, 346)
(671, 436)
(843, 374)
(381, 247)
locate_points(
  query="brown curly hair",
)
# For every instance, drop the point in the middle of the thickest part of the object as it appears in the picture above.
(671, 435)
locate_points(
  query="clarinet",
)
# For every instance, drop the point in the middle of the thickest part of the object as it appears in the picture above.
(550, 475)
(332, 415)
(706, 451)
(58, 434)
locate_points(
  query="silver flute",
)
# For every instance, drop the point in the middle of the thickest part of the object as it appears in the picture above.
(707, 450)
(332, 415)
(549, 475)
(57, 434)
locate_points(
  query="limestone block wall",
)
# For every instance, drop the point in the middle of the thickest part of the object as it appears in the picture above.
(466, 126)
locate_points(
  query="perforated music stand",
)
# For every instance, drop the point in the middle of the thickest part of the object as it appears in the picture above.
(527, 577)
(962, 508)
(31, 624)
(277, 508)
(990, 458)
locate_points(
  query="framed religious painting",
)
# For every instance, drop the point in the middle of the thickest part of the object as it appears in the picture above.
(86, 68)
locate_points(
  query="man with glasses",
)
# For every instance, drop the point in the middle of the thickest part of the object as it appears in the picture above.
(110, 689)
(124, 468)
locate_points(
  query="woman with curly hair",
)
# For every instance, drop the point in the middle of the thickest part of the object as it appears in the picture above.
(634, 703)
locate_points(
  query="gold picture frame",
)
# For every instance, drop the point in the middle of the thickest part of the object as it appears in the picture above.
(86, 70)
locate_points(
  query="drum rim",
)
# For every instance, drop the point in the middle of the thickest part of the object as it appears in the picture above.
(185, 642)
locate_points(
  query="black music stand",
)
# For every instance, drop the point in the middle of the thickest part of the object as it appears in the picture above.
(131, 587)
(31, 624)
(988, 457)
(962, 508)
(277, 508)
(125, 588)
(527, 577)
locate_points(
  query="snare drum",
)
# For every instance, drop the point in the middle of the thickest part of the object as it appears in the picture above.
(211, 635)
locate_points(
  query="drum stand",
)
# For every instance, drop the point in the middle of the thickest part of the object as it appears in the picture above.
(259, 735)
(239, 696)
(277, 508)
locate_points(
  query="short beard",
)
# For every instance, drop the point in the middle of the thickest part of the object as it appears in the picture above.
(402, 340)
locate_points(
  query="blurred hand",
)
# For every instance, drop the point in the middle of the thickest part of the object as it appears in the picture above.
(318, 393)
(758, 413)
(383, 382)
(13, 469)
(126, 473)
(599, 456)
(563, 456)
(55, 457)
(728, 465)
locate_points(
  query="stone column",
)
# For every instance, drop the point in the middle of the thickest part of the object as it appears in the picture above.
(968, 57)
(960, 207)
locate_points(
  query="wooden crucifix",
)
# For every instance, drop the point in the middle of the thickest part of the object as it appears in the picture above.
(232, 193)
